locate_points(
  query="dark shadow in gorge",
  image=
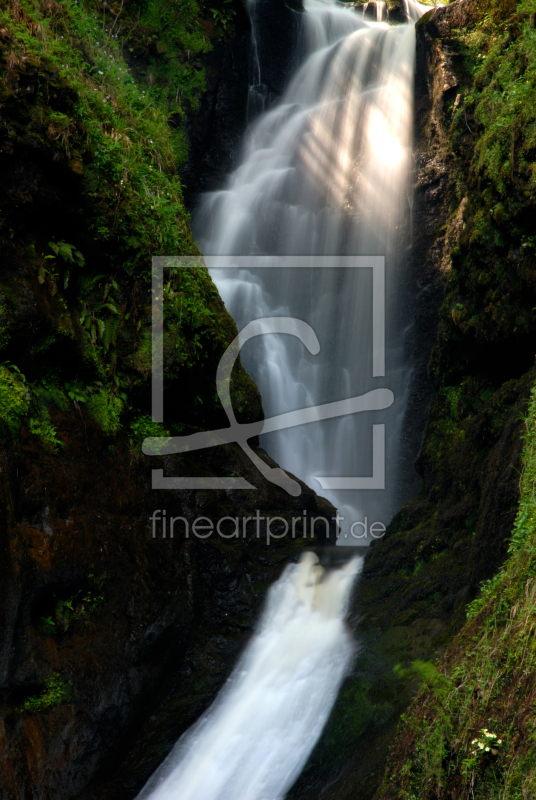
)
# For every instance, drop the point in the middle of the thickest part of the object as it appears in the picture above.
(216, 129)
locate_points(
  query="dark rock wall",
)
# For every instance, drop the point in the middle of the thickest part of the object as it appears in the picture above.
(169, 622)
(216, 129)
(137, 634)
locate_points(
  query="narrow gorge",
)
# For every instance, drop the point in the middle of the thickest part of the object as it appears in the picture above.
(277, 140)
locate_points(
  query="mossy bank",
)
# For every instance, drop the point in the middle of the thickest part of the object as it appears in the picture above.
(475, 328)
(113, 640)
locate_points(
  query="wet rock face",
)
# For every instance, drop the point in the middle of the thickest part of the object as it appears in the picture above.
(278, 27)
(141, 631)
(215, 130)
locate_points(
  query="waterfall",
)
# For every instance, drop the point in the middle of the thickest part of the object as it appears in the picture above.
(324, 176)
(381, 9)
(254, 740)
(325, 173)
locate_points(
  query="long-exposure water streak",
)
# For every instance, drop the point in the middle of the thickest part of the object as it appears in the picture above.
(324, 173)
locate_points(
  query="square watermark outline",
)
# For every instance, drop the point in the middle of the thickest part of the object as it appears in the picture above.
(162, 445)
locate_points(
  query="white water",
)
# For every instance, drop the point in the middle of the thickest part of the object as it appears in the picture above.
(325, 172)
(254, 740)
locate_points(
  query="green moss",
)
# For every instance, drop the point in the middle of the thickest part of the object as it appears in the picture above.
(173, 37)
(57, 690)
(49, 393)
(14, 398)
(106, 410)
(79, 607)
(143, 427)
(483, 690)
(188, 312)
(113, 133)
(492, 289)
(99, 96)
(142, 360)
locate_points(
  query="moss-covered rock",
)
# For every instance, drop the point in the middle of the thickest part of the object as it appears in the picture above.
(473, 225)
(470, 730)
(90, 192)
(112, 641)
(142, 628)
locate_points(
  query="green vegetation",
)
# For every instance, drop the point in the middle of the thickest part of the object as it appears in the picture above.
(77, 608)
(43, 428)
(57, 690)
(94, 102)
(143, 427)
(421, 670)
(173, 36)
(225, 16)
(14, 397)
(113, 133)
(492, 287)
(106, 408)
(471, 731)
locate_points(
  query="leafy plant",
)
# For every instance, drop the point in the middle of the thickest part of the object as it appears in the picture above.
(486, 742)
(101, 318)
(77, 393)
(57, 690)
(43, 428)
(49, 264)
(14, 396)
(106, 409)
(486, 678)
(78, 607)
(225, 16)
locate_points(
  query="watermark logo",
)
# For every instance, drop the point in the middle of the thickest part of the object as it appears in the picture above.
(274, 528)
(374, 400)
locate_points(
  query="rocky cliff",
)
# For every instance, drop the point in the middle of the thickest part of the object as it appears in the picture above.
(114, 641)
(114, 637)
(474, 331)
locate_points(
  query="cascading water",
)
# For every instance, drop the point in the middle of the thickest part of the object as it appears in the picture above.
(255, 739)
(325, 172)
(381, 10)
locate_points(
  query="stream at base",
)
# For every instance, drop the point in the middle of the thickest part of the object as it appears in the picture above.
(254, 740)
